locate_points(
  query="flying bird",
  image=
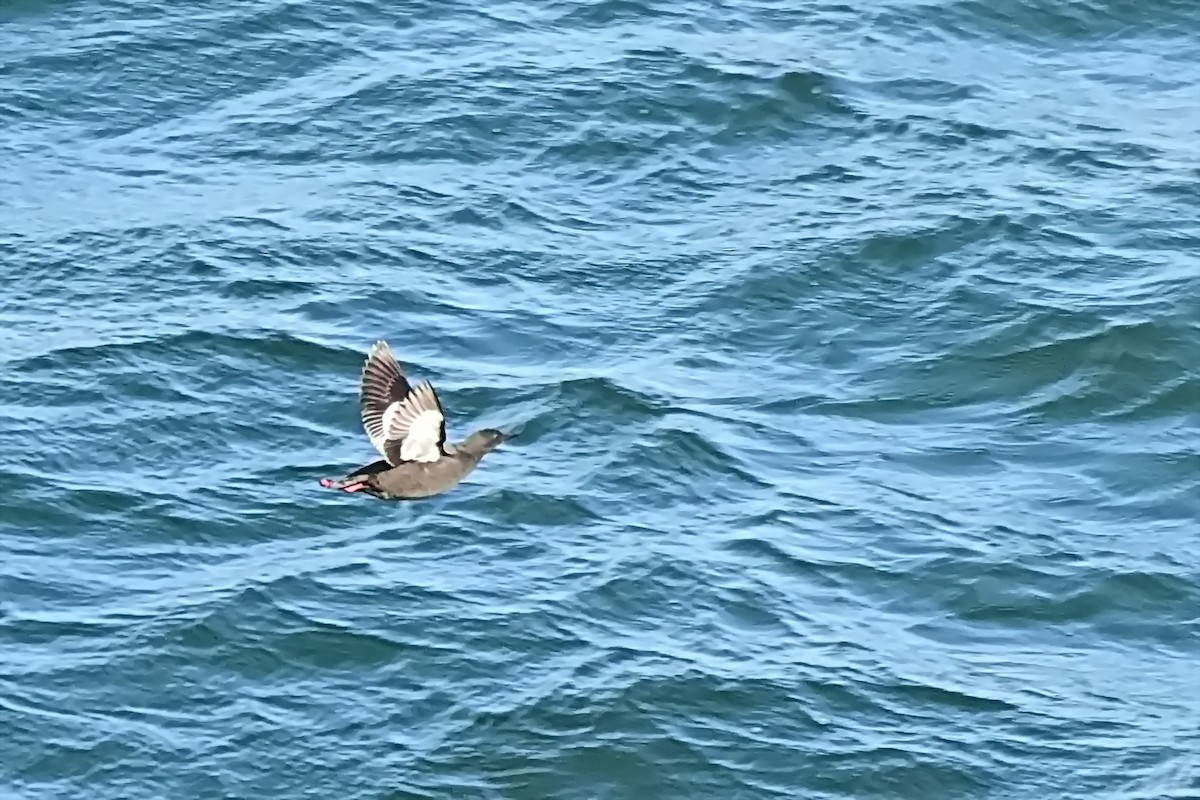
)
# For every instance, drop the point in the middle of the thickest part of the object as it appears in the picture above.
(407, 425)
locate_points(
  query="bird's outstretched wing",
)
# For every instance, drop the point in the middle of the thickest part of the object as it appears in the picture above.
(403, 422)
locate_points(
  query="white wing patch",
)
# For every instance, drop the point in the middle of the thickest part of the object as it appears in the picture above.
(421, 444)
(417, 424)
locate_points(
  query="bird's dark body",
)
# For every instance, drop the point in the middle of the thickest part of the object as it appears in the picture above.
(414, 480)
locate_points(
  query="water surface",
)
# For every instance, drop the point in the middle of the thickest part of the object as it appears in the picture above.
(856, 353)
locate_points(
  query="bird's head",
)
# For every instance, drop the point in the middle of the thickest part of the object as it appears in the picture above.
(484, 441)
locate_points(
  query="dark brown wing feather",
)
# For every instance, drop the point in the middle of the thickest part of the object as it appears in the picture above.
(382, 384)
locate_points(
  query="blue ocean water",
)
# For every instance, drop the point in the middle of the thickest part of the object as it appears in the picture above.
(855, 352)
